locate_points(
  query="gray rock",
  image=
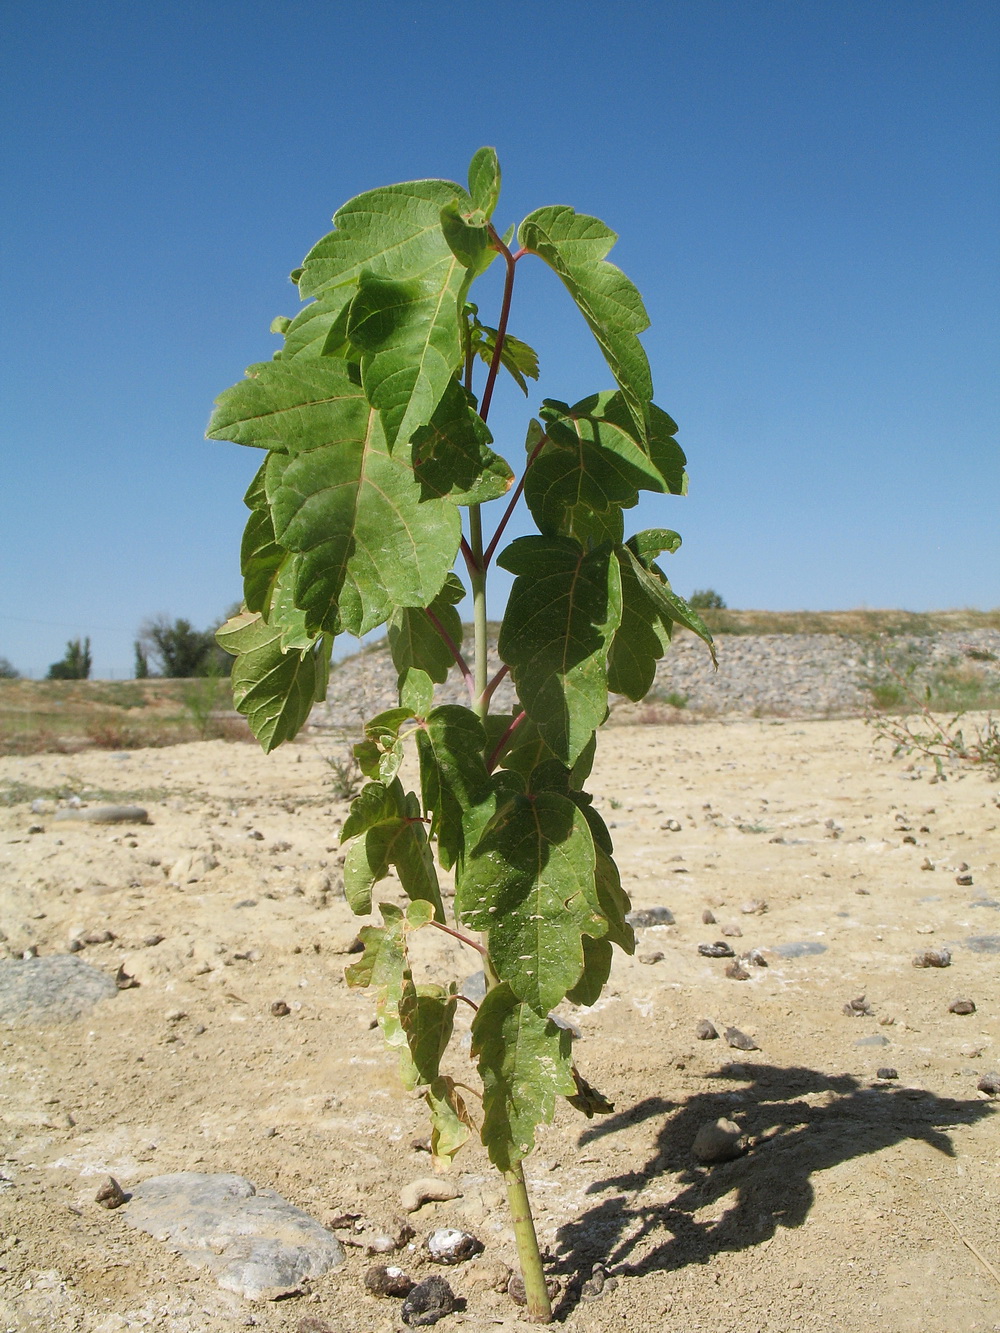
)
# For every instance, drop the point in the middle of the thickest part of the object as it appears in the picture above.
(253, 1242)
(722, 1141)
(474, 987)
(705, 1030)
(875, 1040)
(642, 917)
(739, 1040)
(799, 949)
(983, 943)
(52, 989)
(106, 814)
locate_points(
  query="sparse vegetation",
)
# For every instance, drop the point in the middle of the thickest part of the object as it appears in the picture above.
(706, 599)
(8, 671)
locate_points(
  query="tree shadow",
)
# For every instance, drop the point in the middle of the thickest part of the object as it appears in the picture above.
(791, 1139)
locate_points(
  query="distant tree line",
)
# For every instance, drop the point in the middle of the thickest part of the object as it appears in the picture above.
(175, 649)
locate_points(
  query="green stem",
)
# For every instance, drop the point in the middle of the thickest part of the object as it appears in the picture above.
(535, 1290)
(477, 576)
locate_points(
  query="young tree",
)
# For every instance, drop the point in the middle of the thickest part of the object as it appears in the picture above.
(376, 440)
(75, 664)
(178, 650)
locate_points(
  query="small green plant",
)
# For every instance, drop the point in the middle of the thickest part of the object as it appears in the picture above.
(346, 776)
(75, 663)
(375, 433)
(202, 700)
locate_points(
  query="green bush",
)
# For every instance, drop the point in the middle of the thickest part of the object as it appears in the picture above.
(75, 664)
(706, 599)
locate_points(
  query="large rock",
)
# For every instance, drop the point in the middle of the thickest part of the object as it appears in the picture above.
(254, 1242)
(52, 989)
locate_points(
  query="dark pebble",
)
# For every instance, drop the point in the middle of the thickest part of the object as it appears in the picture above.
(720, 949)
(737, 972)
(111, 1194)
(428, 1302)
(887, 1072)
(989, 1083)
(280, 1009)
(933, 958)
(383, 1281)
(515, 1289)
(705, 1031)
(962, 1007)
(650, 916)
(739, 1040)
(964, 880)
(858, 1008)
(123, 980)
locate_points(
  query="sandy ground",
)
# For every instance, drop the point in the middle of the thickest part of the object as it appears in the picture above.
(862, 1205)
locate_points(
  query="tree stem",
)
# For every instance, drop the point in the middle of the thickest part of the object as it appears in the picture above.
(536, 1293)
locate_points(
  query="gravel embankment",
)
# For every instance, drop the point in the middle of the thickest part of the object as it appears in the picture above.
(785, 675)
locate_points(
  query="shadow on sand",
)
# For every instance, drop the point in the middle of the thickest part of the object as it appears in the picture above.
(791, 1139)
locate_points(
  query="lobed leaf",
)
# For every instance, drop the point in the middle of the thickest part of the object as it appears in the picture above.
(529, 883)
(561, 616)
(451, 1123)
(387, 824)
(525, 1063)
(451, 454)
(654, 583)
(454, 783)
(574, 246)
(273, 689)
(427, 1017)
(484, 180)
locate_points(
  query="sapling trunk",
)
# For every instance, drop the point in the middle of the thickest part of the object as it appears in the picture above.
(374, 442)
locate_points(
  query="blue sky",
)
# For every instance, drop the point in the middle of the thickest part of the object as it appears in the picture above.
(807, 197)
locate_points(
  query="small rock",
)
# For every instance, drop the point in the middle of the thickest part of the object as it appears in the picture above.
(493, 1274)
(40, 990)
(737, 972)
(428, 1302)
(708, 917)
(597, 1284)
(887, 1072)
(739, 1040)
(989, 1083)
(756, 957)
(962, 1007)
(671, 826)
(280, 1009)
(110, 1194)
(732, 931)
(876, 1039)
(755, 907)
(124, 980)
(97, 937)
(964, 880)
(448, 1245)
(106, 814)
(722, 1141)
(642, 917)
(859, 1008)
(705, 1031)
(428, 1189)
(927, 864)
(515, 1289)
(255, 835)
(151, 941)
(650, 956)
(720, 949)
(36, 828)
(383, 1281)
(933, 958)
(474, 987)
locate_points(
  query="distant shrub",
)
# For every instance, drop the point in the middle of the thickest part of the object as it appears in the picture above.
(179, 651)
(7, 671)
(75, 664)
(706, 599)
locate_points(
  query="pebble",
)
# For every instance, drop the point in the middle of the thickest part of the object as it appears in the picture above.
(61, 986)
(989, 1083)
(705, 1031)
(964, 880)
(887, 1072)
(859, 1008)
(650, 956)
(721, 1141)
(755, 907)
(253, 1241)
(732, 931)
(448, 1245)
(739, 1040)
(671, 826)
(515, 1289)
(708, 917)
(756, 957)
(110, 1194)
(280, 1009)
(876, 1039)
(598, 1284)
(428, 1302)
(428, 1189)
(962, 1007)
(383, 1281)
(107, 814)
(720, 949)
(933, 958)
(737, 972)
(642, 917)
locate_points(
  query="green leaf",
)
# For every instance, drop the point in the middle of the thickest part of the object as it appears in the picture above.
(452, 457)
(317, 326)
(525, 1064)
(563, 610)
(454, 783)
(516, 356)
(383, 960)
(380, 754)
(416, 691)
(641, 639)
(671, 607)
(574, 246)
(484, 180)
(451, 1123)
(530, 884)
(274, 690)
(587, 467)
(427, 1016)
(390, 832)
(260, 555)
(368, 537)
(597, 958)
(405, 314)
(467, 235)
(414, 640)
